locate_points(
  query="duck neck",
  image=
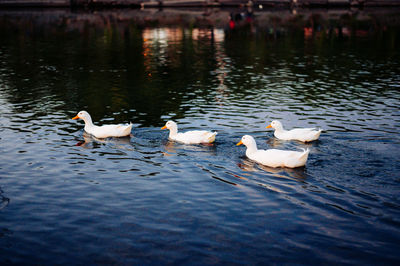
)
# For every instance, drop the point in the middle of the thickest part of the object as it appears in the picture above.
(173, 131)
(88, 123)
(279, 128)
(251, 147)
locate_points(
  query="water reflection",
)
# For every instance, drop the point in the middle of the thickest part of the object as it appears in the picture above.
(281, 144)
(108, 85)
(89, 141)
(172, 147)
(4, 201)
(296, 174)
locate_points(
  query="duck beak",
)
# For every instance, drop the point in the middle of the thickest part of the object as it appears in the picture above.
(268, 126)
(239, 143)
(75, 117)
(164, 127)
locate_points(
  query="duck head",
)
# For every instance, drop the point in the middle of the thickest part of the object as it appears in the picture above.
(172, 126)
(84, 116)
(247, 140)
(275, 124)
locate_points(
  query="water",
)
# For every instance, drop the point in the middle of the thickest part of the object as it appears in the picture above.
(65, 197)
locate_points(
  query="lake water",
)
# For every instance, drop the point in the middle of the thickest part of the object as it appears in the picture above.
(68, 198)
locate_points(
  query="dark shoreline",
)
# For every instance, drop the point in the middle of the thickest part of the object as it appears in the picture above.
(312, 24)
(283, 4)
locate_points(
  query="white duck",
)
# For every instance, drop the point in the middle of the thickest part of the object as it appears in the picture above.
(103, 131)
(273, 157)
(301, 134)
(189, 137)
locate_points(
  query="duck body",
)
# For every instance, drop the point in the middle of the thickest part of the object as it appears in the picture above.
(274, 157)
(189, 137)
(104, 131)
(300, 134)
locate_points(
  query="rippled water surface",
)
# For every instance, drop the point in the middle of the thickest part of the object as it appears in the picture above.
(66, 197)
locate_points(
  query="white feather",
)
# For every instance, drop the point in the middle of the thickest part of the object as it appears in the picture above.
(189, 137)
(103, 131)
(274, 157)
(300, 134)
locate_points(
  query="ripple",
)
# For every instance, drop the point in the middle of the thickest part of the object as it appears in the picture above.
(132, 197)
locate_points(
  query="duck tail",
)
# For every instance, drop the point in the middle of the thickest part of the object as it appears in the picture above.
(305, 153)
(211, 138)
(128, 128)
(318, 133)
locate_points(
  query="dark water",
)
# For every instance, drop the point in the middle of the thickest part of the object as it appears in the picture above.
(66, 198)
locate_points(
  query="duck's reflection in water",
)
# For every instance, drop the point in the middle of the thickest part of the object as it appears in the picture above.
(296, 174)
(90, 141)
(282, 144)
(3, 200)
(172, 147)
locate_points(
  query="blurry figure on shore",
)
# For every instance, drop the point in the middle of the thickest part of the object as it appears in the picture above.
(242, 18)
